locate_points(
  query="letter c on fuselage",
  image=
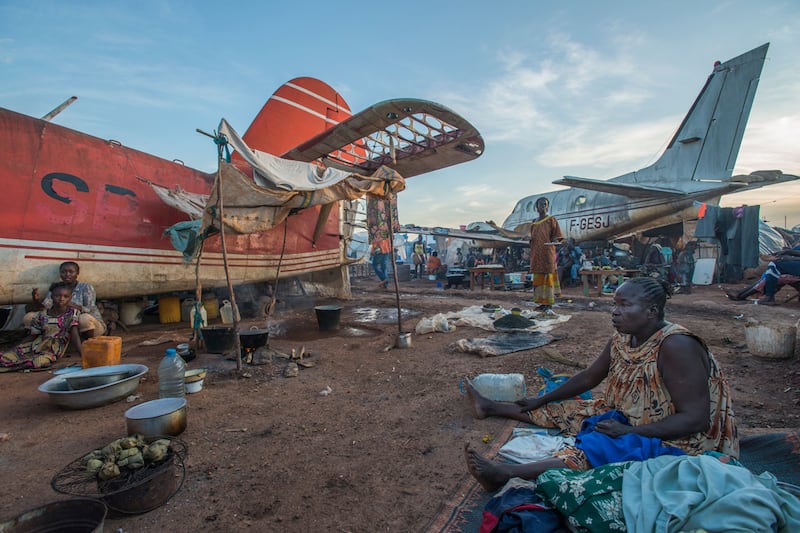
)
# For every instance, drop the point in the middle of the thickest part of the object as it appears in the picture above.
(47, 185)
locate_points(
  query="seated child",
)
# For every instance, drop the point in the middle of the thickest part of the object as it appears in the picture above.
(51, 331)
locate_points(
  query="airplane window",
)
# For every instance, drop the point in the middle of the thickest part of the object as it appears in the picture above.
(580, 200)
(528, 206)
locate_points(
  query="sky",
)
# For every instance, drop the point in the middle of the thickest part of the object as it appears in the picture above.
(580, 88)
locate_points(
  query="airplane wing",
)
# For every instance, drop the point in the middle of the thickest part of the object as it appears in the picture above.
(623, 189)
(488, 240)
(411, 136)
(738, 183)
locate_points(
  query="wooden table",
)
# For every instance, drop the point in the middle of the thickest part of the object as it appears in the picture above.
(600, 277)
(492, 270)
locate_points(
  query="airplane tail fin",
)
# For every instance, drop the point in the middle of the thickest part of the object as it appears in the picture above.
(706, 145)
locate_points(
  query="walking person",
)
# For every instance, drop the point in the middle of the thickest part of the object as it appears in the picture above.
(380, 236)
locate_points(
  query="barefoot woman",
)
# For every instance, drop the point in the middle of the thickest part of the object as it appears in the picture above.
(659, 375)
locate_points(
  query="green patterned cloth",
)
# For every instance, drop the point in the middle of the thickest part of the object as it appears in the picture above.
(591, 500)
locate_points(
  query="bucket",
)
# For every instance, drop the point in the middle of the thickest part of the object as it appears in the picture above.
(218, 339)
(169, 309)
(769, 340)
(328, 317)
(211, 304)
(101, 351)
(404, 340)
(78, 514)
(130, 313)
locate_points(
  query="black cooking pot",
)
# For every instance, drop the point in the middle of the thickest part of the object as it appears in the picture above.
(218, 339)
(254, 338)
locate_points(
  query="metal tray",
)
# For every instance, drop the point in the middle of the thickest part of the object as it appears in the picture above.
(62, 395)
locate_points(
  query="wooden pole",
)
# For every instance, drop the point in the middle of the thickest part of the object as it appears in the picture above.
(388, 204)
(236, 317)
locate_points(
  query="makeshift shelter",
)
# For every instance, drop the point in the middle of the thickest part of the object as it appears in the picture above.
(260, 193)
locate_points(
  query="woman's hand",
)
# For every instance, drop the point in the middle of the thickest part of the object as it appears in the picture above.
(529, 404)
(613, 428)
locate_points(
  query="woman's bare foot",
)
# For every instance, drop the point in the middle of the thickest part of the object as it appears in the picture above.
(477, 403)
(489, 474)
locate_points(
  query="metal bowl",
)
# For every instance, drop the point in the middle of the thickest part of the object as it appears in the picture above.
(60, 393)
(165, 416)
(77, 381)
(197, 374)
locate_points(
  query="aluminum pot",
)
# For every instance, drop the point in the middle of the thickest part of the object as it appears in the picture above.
(165, 416)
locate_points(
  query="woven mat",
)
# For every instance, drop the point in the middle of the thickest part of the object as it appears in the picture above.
(464, 510)
(778, 453)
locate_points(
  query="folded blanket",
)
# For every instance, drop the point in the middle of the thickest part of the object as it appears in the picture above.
(700, 492)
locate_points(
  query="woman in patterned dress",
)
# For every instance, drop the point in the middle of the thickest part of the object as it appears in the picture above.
(659, 375)
(545, 233)
(51, 332)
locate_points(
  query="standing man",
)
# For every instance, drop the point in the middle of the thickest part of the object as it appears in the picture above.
(419, 257)
(686, 267)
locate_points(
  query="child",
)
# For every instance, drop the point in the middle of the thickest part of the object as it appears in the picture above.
(51, 331)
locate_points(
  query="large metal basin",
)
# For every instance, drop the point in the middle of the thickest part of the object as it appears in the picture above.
(62, 395)
(78, 514)
(76, 381)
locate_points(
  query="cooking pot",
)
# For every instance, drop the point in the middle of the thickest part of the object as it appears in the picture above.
(218, 339)
(254, 338)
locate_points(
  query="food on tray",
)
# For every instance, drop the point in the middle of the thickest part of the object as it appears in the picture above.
(127, 453)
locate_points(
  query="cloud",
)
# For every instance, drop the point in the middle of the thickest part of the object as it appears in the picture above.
(636, 144)
(764, 145)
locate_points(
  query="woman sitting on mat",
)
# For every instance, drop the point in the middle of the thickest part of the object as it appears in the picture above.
(661, 379)
(51, 331)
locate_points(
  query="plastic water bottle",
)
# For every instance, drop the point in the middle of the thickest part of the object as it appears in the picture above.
(500, 387)
(171, 376)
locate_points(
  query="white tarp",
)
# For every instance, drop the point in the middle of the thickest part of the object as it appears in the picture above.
(276, 173)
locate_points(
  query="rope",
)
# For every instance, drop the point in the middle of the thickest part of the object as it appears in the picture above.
(222, 146)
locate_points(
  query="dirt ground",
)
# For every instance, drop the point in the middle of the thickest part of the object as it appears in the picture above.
(383, 449)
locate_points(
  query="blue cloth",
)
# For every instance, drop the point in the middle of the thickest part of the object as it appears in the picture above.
(601, 449)
(517, 509)
(183, 237)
